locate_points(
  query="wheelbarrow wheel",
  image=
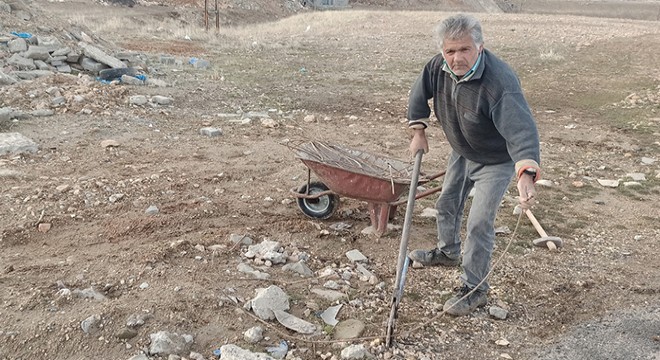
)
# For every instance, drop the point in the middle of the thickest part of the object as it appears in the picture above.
(320, 208)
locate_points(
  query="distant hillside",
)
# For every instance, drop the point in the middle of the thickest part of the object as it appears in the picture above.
(236, 12)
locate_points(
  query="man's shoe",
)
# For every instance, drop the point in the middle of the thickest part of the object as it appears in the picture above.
(458, 306)
(433, 257)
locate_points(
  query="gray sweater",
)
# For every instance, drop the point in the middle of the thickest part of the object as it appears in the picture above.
(486, 119)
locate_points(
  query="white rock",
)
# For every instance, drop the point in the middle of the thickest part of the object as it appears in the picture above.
(233, 352)
(608, 183)
(268, 300)
(354, 352)
(637, 176)
(329, 316)
(356, 256)
(294, 323)
(517, 210)
(309, 119)
(502, 342)
(648, 161)
(161, 100)
(254, 334)
(544, 182)
(138, 100)
(429, 212)
(498, 312)
(269, 123)
(331, 284)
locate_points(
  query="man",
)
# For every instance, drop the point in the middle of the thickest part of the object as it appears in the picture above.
(479, 103)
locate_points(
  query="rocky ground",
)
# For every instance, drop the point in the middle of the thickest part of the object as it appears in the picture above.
(149, 215)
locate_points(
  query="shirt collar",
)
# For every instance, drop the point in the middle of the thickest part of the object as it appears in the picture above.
(467, 75)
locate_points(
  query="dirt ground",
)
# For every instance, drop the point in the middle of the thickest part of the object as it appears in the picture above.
(73, 215)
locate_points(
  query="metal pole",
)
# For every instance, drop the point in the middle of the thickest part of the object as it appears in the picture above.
(402, 264)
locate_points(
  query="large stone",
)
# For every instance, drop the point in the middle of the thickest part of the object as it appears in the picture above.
(62, 51)
(15, 143)
(267, 300)
(261, 249)
(254, 334)
(37, 53)
(355, 352)
(41, 65)
(7, 79)
(92, 65)
(51, 43)
(91, 324)
(72, 57)
(17, 45)
(299, 268)
(348, 329)
(356, 256)
(65, 68)
(133, 58)
(166, 343)
(20, 62)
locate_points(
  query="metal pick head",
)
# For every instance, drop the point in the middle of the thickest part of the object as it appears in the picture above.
(542, 242)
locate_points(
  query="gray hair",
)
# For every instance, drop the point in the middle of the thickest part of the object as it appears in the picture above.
(457, 26)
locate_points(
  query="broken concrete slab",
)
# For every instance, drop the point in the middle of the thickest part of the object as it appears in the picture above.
(37, 53)
(92, 65)
(100, 56)
(32, 74)
(21, 62)
(294, 323)
(7, 79)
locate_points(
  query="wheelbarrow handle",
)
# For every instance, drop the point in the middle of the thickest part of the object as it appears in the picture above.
(434, 176)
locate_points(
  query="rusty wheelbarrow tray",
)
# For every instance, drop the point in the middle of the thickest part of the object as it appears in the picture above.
(375, 179)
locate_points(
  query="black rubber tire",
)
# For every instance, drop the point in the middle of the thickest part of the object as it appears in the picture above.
(112, 74)
(321, 208)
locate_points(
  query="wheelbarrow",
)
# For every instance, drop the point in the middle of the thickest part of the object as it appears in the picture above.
(378, 180)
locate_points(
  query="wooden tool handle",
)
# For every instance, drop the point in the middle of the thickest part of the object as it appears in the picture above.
(536, 224)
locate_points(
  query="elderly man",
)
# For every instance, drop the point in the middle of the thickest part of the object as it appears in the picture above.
(480, 105)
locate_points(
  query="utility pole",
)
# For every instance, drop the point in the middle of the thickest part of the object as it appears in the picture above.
(217, 16)
(206, 14)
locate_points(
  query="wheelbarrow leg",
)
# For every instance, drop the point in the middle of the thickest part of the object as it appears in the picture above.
(380, 215)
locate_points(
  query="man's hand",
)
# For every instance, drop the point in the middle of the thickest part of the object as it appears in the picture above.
(418, 142)
(526, 191)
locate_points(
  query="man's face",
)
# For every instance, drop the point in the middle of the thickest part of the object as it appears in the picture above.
(461, 54)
